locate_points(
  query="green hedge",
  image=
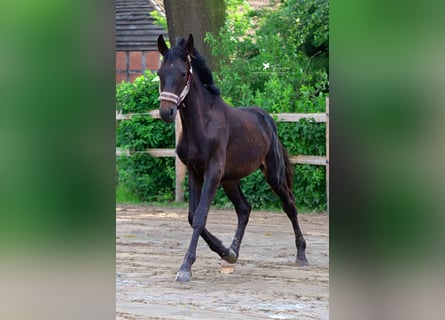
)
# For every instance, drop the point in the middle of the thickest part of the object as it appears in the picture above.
(146, 177)
(153, 179)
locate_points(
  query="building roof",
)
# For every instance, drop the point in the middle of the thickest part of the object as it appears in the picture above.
(135, 28)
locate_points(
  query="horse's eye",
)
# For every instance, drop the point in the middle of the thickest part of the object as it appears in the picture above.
(183, 75)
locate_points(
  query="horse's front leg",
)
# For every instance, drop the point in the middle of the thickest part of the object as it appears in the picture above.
(195, 190)
(216, 245)
(212, 179)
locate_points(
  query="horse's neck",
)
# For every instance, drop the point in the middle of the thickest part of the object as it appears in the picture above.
(195, 111)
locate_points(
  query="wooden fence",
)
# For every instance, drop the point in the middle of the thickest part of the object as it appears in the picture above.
(281, 117)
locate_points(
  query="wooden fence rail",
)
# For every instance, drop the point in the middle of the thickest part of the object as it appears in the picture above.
(282, 117)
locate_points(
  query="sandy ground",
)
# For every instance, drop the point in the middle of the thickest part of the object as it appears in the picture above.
(265, 284)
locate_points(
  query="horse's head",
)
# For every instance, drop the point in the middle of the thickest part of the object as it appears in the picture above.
(175, 76)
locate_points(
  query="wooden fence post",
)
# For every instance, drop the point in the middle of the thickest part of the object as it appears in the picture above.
(180, 167)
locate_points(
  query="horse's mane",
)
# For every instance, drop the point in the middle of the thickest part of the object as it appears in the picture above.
(198, 63)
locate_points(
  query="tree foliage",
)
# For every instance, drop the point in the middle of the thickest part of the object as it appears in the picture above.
(276, 58)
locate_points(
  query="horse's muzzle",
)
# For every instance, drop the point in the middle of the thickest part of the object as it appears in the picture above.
(167, 111)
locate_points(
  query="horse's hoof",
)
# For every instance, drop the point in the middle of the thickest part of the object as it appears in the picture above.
(302, 262)
(183, 276)
(231, 258)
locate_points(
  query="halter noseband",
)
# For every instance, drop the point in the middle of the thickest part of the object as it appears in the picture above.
(172, 97)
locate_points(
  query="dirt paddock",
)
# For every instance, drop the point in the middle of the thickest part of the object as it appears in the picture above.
(265, 284)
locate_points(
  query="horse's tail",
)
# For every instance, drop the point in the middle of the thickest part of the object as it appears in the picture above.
(283, 166)
(289, 169)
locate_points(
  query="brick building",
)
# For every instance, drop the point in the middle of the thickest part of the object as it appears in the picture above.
(136, 36)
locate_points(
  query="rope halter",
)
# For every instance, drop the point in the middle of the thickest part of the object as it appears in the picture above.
(172, 97)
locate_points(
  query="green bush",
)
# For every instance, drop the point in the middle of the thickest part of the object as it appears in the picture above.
(153, 179)
(276, 59)
(146, 177)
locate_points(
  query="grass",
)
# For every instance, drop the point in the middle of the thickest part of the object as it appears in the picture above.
(123, 195)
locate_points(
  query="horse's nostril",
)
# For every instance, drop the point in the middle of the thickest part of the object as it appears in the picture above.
(171, 112)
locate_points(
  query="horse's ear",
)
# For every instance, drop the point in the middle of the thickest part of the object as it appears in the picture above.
(162, 46)
(189, 44)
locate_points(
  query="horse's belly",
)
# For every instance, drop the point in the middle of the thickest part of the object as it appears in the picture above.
(241, 164)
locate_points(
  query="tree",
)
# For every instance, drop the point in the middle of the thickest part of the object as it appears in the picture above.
(196, 17)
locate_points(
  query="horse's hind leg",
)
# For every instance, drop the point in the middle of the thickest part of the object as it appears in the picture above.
(280, 185)
(288, 202)
(243, 208)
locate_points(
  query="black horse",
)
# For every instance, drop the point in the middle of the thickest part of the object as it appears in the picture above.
(219, 146)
